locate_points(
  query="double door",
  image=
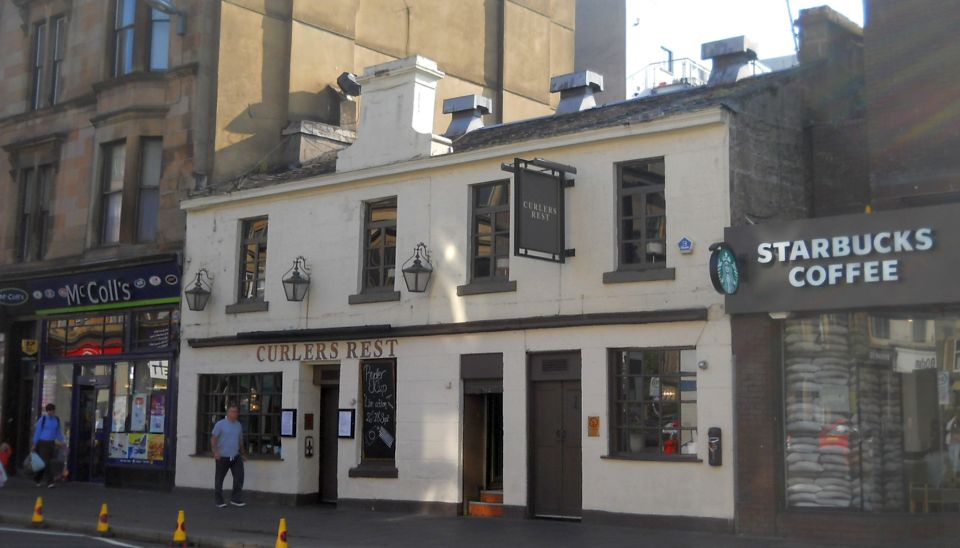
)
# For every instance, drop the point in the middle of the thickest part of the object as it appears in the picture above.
(90, 438)
(555, 431)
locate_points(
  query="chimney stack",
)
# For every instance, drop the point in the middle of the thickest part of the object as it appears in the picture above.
(396, 115)
(467, 114)
(576, 90)
(731, 59)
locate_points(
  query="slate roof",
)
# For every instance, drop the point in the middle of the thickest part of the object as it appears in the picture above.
(631, 111)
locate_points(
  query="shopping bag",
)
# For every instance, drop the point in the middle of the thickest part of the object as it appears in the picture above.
(36, 463)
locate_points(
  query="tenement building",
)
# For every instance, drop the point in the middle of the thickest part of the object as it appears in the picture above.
(508, 319)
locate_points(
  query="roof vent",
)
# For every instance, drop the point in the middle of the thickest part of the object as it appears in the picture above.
(467, 114)
(731, 59)
(576, 90)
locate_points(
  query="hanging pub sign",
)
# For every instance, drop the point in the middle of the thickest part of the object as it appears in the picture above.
(889, 258)
(539, 209)
(141, 285)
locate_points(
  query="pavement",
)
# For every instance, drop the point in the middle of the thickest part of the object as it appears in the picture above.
(149, 517)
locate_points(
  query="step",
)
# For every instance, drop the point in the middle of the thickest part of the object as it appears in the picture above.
(491, 496)
(485, 509)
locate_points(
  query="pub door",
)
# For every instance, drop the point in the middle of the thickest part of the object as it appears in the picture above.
(327, 444)
(555, 436)
(91, 422)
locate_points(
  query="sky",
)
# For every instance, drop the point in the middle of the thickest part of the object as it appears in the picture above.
(764, 21)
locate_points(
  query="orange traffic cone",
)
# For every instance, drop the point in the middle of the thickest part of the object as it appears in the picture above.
(282, 535)
(180, 534)
(37, 520)
(103, 527)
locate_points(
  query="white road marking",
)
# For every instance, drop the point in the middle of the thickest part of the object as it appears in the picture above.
(72, 535)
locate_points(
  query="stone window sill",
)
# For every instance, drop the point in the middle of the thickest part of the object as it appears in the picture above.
(654, 458)
(243, 308)
(374, 297)
(374, 470)
(482, 288)
(645, 275)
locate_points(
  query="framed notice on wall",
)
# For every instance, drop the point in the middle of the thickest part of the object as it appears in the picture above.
(379, 424)
(346, 423)
(288, 423)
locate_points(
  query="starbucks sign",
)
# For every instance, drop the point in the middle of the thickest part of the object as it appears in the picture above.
(724, 271)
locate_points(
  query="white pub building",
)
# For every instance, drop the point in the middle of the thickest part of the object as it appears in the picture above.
(514, 319)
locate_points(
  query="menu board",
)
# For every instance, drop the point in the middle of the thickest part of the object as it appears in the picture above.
(379, 426)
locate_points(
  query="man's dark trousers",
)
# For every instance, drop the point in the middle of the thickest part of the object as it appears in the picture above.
(47, 449)
(235, 466)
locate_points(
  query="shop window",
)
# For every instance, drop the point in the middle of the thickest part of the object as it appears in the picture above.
(139, 415)
(156, 329)
(84, 336)
(253, 260)
(151, 154)
(380, 245)
(490, 232)
(641, 214)
(919, 330)
(871, 413)
(258, 397)
(112, 170)
(36, 195)
(653, 403)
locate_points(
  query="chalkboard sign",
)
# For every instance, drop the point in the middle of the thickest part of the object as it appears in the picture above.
(379, 388)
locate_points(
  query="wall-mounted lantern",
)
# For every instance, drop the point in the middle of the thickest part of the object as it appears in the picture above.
(198, 294)
(296, 282)
(417, 269)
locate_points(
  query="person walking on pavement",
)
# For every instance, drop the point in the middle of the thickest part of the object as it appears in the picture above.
(47, 435)
(229, 454)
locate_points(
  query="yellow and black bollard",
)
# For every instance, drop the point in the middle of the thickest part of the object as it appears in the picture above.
(180, 534)
(37, 520)
(103, 526)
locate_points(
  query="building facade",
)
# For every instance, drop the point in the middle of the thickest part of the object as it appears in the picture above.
(585, 387)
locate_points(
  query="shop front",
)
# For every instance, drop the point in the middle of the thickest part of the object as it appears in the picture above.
(105, 353)
(847, 335)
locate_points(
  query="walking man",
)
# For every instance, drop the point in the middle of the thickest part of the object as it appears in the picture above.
(47, 435)
(228, 451)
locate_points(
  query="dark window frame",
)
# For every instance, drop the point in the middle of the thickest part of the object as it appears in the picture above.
(260, 241)
(58, 52)
(212, 403)
(157, 23)
(382, 250)
(475, 235)
(615, 381)
(645, 191)
(123, 39)
(33, 213)
(38, 61)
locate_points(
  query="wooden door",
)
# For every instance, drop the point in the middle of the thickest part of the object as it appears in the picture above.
(329, 406)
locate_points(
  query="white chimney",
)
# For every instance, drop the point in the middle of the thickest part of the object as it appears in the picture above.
(397, 102)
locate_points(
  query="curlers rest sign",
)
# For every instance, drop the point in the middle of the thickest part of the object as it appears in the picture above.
(890, 258)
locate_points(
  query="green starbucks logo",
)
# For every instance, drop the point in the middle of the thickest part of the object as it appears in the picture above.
(724, 270)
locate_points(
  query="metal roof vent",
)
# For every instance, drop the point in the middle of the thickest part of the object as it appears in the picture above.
(576, 90)
(467, 114)
(731, 59)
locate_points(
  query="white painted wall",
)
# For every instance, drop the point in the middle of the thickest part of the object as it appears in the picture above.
(322, 220)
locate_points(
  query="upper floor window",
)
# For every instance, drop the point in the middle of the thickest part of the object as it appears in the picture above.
(159, 40)
(253, 259)
(35, 196)
(490, 232)
(151, 153)
(667, 59)
(380, 245)
(38, 59)
(111, 200)
(123, 36)
(642, 214)
(58, 47)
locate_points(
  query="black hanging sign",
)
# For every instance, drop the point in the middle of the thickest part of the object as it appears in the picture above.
(379, 389)
(539, 209)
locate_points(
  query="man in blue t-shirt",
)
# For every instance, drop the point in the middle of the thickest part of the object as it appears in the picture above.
(226, 440)
(47, 435)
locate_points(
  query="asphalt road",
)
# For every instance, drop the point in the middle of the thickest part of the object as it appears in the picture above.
(13, 537)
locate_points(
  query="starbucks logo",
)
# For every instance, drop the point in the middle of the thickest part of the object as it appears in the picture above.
(724, 270)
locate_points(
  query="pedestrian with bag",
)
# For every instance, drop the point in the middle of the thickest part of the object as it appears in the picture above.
(229, 454)
(47, 436)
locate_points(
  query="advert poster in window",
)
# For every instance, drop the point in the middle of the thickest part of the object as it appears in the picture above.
(156, 414)
(138, 413)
